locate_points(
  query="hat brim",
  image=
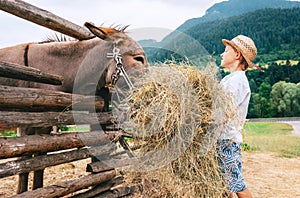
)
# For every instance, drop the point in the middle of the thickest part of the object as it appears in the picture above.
(227, 42)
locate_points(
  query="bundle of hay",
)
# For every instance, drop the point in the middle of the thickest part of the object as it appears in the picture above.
(175, 114)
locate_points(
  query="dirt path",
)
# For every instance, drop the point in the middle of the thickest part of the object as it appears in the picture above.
(296, 127)
(272, 177)
(52, 175)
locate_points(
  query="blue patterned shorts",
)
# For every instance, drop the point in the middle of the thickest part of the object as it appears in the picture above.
(230, 160)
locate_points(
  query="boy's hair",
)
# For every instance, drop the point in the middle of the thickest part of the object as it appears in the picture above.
(243, 62)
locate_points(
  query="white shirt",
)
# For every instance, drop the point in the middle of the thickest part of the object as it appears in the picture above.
(236, 84)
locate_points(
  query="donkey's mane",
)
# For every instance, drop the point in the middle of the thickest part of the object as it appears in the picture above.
(57, 38)
(63, 38)
(120, 28)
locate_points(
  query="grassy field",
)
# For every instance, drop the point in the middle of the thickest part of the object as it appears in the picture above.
(271, 137)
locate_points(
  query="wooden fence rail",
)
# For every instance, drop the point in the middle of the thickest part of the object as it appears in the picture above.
(104, 187)
(32, 99)
(28, 145)
(64, 188)
(10, 120)
(41, 162)
(44, 18)
(20, 72)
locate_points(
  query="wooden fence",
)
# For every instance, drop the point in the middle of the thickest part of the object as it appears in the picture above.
(35, 110)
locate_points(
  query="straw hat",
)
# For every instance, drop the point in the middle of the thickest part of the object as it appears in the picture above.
(245, 45)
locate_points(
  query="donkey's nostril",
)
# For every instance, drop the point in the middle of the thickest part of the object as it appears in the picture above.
(140, 59)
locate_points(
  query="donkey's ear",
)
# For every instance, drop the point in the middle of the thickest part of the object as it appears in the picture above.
(96, 31)
(101, 32)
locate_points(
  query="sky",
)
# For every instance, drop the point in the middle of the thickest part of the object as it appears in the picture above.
(147, 19)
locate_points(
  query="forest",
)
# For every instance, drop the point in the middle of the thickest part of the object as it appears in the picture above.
(275, 92)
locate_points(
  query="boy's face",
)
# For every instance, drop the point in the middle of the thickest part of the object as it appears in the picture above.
(229, 57)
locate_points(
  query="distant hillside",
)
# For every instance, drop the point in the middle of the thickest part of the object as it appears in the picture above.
(276, 33)
(230, 8)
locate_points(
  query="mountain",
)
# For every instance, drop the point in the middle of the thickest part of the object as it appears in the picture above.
(276, 33)
(230, 8)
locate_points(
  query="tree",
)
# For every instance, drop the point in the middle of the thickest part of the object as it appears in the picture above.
(284, 96)
(264, 91)
(290, 98)
(297, 100)
(254, 110)
(253, 85)
(295, 73)
(277, 98)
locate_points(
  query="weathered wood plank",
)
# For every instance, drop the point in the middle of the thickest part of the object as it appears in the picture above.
(11, 120)
(14, 147)
(44, 18)
(38, 179)
(21, 72)
(40, 162)
(22, 183)
(118, 192)
(64, 188)
(101, 166)
(100, 188)
(32, 99)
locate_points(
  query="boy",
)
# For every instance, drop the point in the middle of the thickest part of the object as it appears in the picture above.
(237, 58)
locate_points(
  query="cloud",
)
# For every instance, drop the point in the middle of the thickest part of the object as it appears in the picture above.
(168, 14)
(138, 13)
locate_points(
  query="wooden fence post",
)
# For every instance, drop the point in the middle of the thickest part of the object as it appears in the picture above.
(23, 177)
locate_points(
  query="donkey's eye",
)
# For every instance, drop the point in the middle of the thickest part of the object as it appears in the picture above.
(139, 59)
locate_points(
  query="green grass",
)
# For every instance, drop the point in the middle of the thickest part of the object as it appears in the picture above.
(271, 137)
(63, 128)
(74, 128)
(8, 134)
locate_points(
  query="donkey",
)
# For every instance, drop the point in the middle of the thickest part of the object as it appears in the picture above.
(83, 64)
